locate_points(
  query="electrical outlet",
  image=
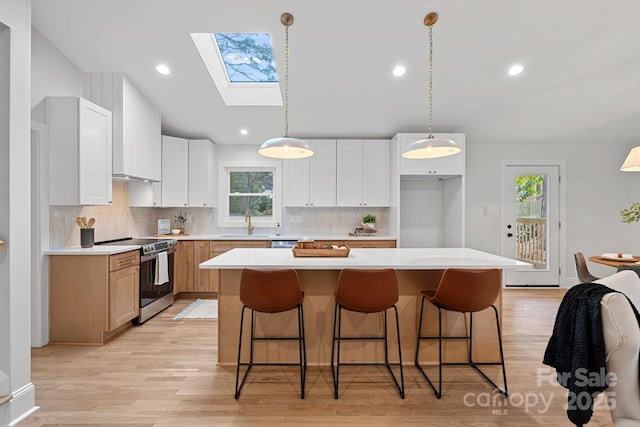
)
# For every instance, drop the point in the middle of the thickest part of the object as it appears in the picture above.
(414, 218)
(295, 218)
(188, 217)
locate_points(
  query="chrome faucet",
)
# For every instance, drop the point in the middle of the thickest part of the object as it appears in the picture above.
(247, 219)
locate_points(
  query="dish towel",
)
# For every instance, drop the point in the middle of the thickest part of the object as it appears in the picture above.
(162, 269)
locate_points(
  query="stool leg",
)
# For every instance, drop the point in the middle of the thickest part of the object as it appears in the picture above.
(386, 351)
(438, 391)
(237, 389)
(303, 350)
(501, 363)
(399, 352)
(334, 371)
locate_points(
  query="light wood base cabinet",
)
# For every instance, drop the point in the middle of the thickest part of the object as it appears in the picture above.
(183, 267)
(92, 298)
(221, 246)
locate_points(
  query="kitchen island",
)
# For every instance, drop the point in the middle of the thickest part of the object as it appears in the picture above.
(417, 268)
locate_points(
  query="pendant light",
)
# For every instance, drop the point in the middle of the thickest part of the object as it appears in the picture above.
(431, 146)
(632, 162)
(286, 147)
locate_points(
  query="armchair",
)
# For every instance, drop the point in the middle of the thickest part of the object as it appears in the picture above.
(622, 346)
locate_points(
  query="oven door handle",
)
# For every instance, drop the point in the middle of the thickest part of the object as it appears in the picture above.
(146, 258)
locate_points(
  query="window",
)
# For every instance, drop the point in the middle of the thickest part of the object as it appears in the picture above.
(242, 67)
(251, 191)
(253, 188)
(247, 57)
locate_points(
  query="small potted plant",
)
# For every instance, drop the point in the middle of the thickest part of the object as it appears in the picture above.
(369, 221)
(180, 219)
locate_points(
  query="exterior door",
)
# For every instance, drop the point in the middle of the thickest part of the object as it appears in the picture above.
(530, 223)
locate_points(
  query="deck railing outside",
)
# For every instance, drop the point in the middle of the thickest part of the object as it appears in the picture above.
(531, 241)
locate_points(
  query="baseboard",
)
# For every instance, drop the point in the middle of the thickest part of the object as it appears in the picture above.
(19, 407)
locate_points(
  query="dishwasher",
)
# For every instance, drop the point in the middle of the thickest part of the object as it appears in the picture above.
(287, 244)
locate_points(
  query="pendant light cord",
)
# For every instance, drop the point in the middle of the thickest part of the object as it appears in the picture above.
(430, 32)
(286, 83)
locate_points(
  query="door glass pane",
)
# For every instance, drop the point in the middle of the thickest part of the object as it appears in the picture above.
(531, 219)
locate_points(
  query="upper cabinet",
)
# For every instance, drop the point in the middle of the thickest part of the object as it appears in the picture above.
(188, 172)
(202, 173)
(363, 172)
(80, 144)
(175, 171)
(449, 165)
(312, 181)
(137, 149)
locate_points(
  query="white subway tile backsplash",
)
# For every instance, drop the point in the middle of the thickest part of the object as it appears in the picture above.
(119, 220)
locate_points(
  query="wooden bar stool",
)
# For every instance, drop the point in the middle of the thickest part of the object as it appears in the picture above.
(365, 291)
(271, 291)
(464, 291)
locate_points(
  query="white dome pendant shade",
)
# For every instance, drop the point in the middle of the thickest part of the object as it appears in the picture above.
(632, 162)
(431, 146)
(286, 147)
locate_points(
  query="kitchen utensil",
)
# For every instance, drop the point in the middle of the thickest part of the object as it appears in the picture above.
(91, 222)
(84, 221)
(79, 222)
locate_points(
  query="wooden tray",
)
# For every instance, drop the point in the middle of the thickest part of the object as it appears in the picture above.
(320, 252)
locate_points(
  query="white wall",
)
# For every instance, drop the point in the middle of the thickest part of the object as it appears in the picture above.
(15, 279)
(53, 74)
(596, 191)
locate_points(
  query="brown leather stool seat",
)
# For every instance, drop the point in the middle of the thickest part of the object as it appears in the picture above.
(271, 291)
(464, 291)
(365, 291)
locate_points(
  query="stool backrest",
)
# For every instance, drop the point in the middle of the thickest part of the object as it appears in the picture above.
(270, 291)
(367, 291)
(468, 290)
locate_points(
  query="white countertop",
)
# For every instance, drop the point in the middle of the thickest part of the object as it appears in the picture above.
(95, 250)
(222, 236)
(398, 258)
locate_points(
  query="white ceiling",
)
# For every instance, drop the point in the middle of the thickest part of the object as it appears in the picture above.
(581, 80)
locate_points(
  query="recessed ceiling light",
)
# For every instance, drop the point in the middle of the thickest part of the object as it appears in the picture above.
(515, 70)
(399, 70)
(163, 69)
(243, 131)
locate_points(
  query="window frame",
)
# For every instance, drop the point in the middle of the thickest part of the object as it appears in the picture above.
(224, 170)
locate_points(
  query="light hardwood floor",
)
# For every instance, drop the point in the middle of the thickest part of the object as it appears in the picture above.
(163, 373)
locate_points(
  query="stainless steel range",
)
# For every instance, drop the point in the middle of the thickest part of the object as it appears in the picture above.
(156, 261)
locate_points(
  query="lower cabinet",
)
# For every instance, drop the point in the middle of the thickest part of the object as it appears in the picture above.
(201, 281)
(219, 247)
(92, 298)
(191, 253)
(183, 267)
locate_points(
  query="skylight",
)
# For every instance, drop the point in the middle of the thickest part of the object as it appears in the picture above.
(242, 67)
(247, 57)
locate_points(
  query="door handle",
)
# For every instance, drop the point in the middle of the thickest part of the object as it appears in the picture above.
(509, 234)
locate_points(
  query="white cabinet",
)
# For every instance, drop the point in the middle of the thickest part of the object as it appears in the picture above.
(449, 165)
(202, 173)
(137, 148)
(145, 194)
(312, 181)
(363, 172)
(188, 172)
(80, 142)
(175, 171)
